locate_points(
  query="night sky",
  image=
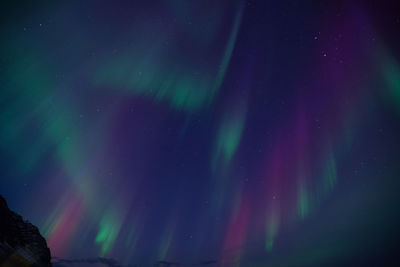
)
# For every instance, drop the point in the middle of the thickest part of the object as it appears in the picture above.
(253, 133)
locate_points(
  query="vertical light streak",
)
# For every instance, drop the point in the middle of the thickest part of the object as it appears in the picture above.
(108, 231)
(228, 139)
(272, 227)
(166, 240)
(228, 51)
(303, 205)
(236, 233)
(391, 73)
(329, 173)
(62, 231)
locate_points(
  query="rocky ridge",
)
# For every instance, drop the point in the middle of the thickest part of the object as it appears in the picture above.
(20, 242)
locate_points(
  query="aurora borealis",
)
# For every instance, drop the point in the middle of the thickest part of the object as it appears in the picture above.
(250, 133)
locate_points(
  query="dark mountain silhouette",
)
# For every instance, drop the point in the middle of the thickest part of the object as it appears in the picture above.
(20, 242)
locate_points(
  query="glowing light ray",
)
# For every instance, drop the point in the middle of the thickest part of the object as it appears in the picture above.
(302, 144)
(329, 173)
(61, 232)
(236, 233)
(303, 202)
(166, 240)
(272, 227)
(273, 174)
(228, 51)
(390, 70)
(109, 227)
(229, 135)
